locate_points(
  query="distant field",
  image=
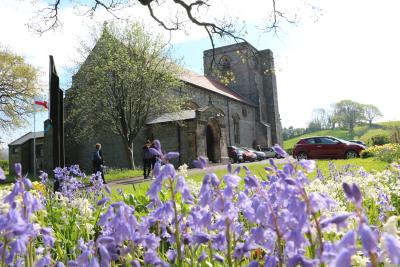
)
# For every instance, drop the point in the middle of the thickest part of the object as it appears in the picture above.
(363, 133)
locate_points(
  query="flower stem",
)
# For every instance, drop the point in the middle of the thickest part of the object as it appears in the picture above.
(177, 236)
(228, 241)
(3, 254)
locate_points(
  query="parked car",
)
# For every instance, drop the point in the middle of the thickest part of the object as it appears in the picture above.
(248, 155)
(358, 142)
(319, 147)
(270, 152)
(259, 154)
(235, 154)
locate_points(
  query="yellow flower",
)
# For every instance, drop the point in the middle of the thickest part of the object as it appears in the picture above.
(39, 187)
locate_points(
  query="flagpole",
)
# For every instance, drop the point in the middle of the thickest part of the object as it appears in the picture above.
(34, 139)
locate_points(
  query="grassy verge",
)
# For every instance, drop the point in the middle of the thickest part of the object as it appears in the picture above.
(195, 180)
(114, 175)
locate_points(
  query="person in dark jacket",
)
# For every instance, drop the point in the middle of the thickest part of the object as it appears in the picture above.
(98, 161)
(147, 159)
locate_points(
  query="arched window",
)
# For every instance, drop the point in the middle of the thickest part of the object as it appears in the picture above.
(236, 128)
(225, 63)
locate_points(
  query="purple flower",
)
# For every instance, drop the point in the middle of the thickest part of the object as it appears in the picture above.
(253, 264)
(18, 169)
(392, 247)
(280, 151)
(353, 193)
(168, 171)
(44, 261)
(342, 259)
(232, 180)
(172, 155)
(151, 257)
(171, 255)
(202, 256)
(367, 238)
(201, 163)
(309, 165)
(347, 241)
(338, 219)
(108, 190)
(102, 201)
(200, 238)
(2, 174)
(218, 258)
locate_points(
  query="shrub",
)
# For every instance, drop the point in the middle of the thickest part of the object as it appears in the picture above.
(4, 164)
(289, 151)
(379, 139)
(366, 154)
(388, 153)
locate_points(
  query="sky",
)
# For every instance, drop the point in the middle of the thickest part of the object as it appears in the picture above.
(350, 51)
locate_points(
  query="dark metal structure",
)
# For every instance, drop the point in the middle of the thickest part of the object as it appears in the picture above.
(56, 116)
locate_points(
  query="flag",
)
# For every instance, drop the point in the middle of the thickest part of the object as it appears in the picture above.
(42, 103)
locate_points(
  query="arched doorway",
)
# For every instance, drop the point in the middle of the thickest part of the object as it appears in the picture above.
(213, 137)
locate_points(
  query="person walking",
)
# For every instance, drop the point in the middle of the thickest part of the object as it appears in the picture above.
(98, 161)
(147, 159)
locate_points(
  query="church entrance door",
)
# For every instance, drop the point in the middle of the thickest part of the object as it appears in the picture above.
(213, 136)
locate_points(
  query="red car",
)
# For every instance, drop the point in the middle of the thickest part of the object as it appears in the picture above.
(321, 147)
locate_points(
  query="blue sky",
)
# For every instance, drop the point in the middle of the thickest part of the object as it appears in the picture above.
(351, 52)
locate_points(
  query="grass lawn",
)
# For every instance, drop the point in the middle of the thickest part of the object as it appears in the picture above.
(114, 175)
(194, 181)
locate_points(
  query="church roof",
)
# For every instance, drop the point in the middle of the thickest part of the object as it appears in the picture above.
(212, 85)
(25, 138)
(173, 116)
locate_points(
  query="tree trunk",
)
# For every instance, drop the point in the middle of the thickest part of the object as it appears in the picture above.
(351, 130)
(129, 154)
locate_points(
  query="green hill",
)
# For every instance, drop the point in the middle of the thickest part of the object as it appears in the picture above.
(363, 133)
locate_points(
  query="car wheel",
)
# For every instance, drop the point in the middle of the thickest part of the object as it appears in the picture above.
(301, 155)
(351, 154)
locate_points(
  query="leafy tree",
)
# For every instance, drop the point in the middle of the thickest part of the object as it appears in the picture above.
(319, 120)
(349, 113)
(371, 112)
(18, 87)
(127, 77)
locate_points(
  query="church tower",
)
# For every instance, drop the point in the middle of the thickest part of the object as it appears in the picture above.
(251, 74)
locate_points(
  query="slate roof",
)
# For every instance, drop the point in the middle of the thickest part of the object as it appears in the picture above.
(173, 116)
(212, 85)
(26, 138)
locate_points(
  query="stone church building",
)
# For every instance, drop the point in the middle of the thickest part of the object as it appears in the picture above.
(244, 113)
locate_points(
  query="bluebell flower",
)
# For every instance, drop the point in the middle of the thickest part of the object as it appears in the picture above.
(200, 238)
(338, 219)
(2, 174)
(202, 256)
(135, 263)
(343, 259)
(172, 155)
(218, 258)
(103, 201)
(171, 255)
(280, 151)
(253, 264)
(18, 169)
(392, 248)
(232, 180)
(368, 239)
(308, 165)
(44, 261)
(200, 163)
